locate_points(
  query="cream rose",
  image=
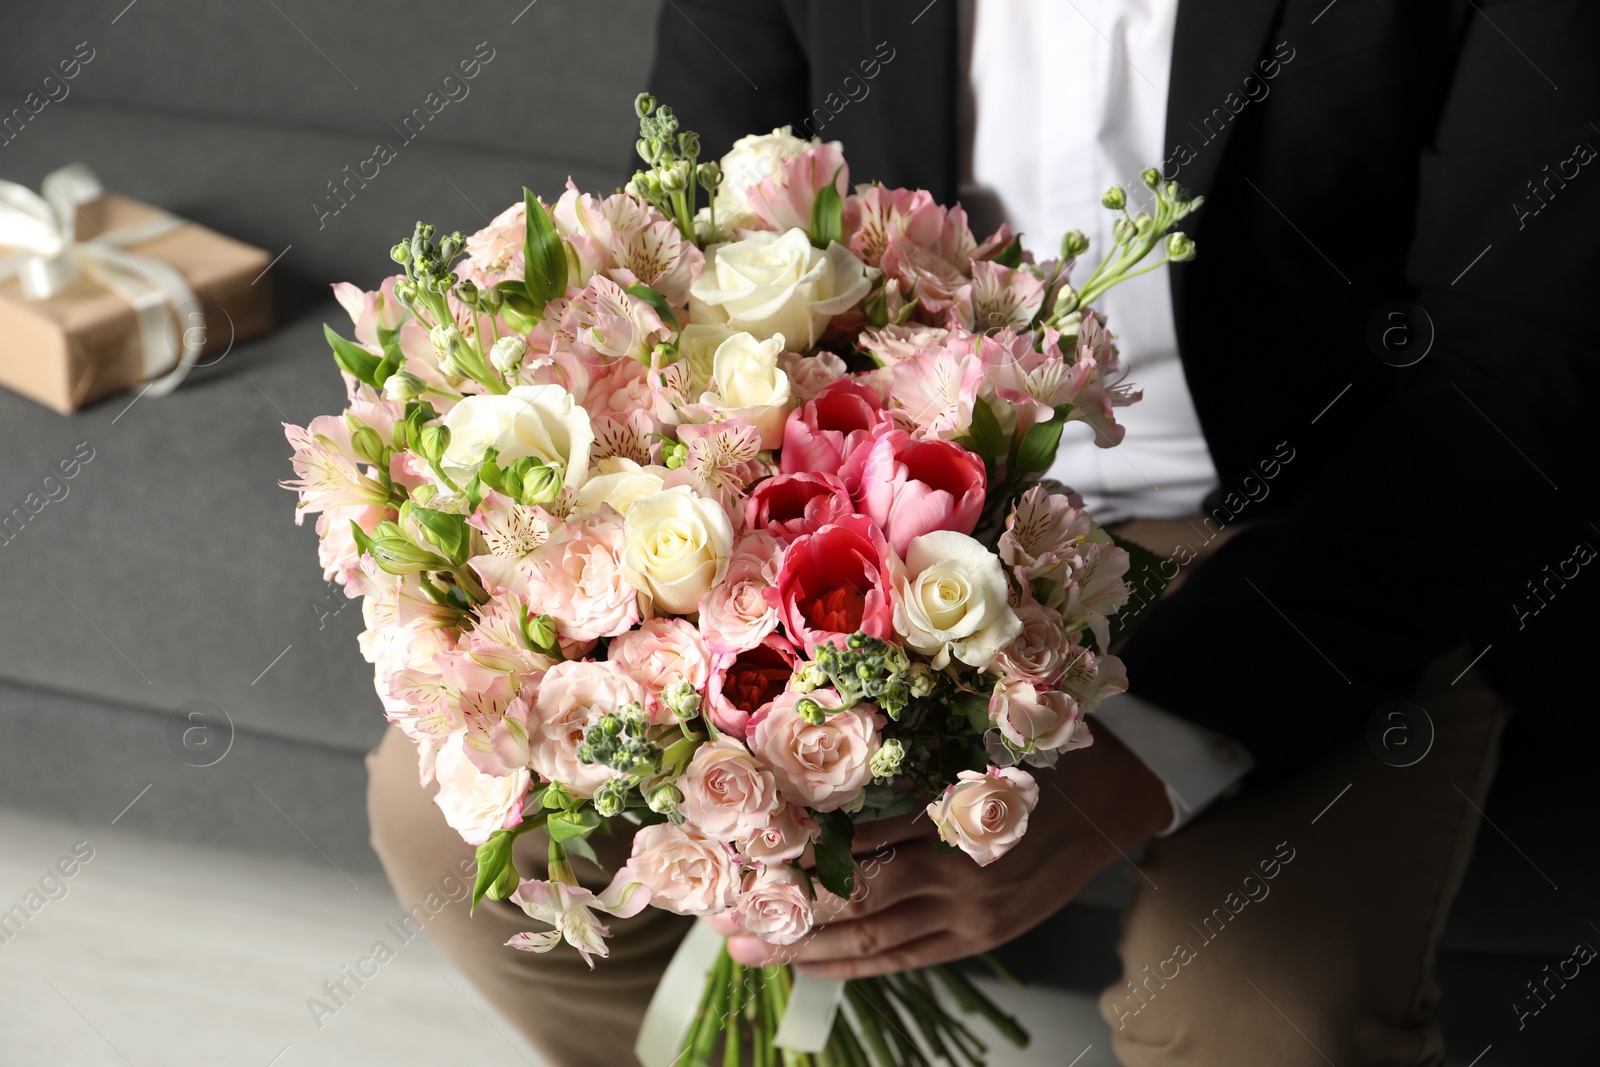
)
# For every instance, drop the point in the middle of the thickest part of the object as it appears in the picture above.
(748, 382)
(676, 545)
(727, 794)
(543, 421)
(985, 814)
(685, 871)
(775, 906)
(823, 766)
(619, 481)
(751, 160)
(1038, 723)
(697, 349)
(477, 804)
(784, 837)
(952, 600)
(770, 284)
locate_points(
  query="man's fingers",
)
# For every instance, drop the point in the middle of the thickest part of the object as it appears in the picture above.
(872, 936)
(884, 880)
(939, 947)
(723, 924)
(879, 833)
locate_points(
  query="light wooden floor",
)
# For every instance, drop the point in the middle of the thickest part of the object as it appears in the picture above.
(167, 955)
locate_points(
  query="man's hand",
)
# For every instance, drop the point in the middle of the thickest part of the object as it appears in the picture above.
(915, 905)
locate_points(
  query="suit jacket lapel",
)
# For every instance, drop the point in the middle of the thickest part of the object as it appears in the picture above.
(1217, 43)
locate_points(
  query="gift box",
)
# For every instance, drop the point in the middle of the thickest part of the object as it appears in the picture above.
(102, 293)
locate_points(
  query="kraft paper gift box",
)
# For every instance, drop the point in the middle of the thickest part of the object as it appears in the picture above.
(88, 340)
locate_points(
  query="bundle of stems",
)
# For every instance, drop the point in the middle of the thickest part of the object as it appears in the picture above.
(898, 1020)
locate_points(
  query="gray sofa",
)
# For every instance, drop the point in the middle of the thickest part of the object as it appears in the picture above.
(170, 582)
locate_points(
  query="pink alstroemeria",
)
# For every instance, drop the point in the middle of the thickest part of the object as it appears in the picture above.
(569, 910)
(784, 200)
(1001, 297)
(933, 391)
(328, 468)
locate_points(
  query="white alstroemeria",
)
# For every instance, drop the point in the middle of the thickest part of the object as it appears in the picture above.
(569, 910)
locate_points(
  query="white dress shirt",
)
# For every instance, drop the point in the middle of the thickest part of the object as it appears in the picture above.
(1060, 102)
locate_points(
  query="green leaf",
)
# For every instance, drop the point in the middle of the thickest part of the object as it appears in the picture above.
(355, 360)
(494, 856)
(567, 825)
(987, 437)
(545, 275)
(363, 542)
(1147, 576)
(1011, 254)
(578, 846)
(655, 300)
(1037, 452)
(393, 358)
(827, 213)
(836, 867)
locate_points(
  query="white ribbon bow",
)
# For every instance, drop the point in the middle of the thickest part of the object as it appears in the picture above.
(43, 230)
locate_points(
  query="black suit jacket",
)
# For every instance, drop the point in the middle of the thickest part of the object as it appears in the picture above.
(1357, 157)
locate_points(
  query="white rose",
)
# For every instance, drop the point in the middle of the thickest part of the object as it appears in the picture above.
(477, 804)
(675, 547)
(697, 349)
(751, 160)
(620, 482)
(749, 384)
(543, 421)
(770, 284)
(952, 600)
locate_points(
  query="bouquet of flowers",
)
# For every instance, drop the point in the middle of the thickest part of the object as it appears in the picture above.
(682, 514)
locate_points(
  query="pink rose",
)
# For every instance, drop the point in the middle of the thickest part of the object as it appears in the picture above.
(985, 814)
(823, 766)
(477, 804)
(735, 614)
(685, 871)
(576, 578)
(744, 682)
(1039, 653)
(809, 375)
(834, 583)
(1038, 723)
(496, 249)
(660, 653)
(774, 906)
(821, 434)
(910, 488)
(573, 695)
(784, 838)
(727, 793)
(788, 505)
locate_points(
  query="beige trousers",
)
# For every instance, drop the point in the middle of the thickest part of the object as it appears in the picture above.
(1294, 924)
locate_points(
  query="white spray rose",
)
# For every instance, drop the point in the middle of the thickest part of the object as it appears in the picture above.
(676, 545)
(531, 420)
(748, 162)
(770, 284)
(952, 600)
(750, 384)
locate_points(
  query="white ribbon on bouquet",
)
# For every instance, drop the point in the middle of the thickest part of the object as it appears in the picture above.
(42, 229)
(813, 1004)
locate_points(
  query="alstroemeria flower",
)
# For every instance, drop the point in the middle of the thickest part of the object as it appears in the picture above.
(569, 910)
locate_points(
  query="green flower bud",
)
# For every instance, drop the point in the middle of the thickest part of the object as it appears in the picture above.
(541, 631)
(1115, 198)
(610, 799)
(1180, 246)
(682, 699)
(689, 144)
(885, 762)
(643, 104)
(541, 485)
(1150, 176)
(445, 337)
(403, 386)
(368, 445)
(1122, 231)
(809, 710)
(1074, 243)
(401, 253)
(709, 174)
(558, 797)
(397, 555)
(490, 300)
(674, 454)
(664, 799)
(1066, 302)
(922, 679)
(450, 247)
(432, 440)
(405, 290)
(467, 292)
(507, 353)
